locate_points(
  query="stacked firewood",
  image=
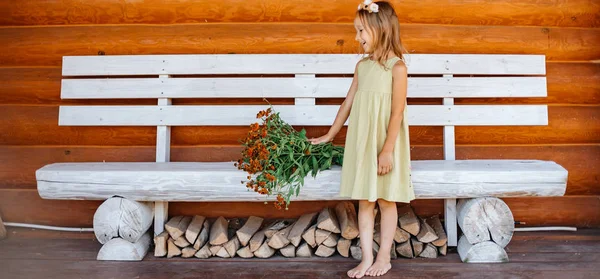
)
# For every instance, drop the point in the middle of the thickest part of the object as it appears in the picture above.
(321, 233)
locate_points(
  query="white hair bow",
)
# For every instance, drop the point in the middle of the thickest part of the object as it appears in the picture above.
(369, 6)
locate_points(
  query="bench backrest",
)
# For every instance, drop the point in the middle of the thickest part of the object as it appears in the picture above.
(304, 77)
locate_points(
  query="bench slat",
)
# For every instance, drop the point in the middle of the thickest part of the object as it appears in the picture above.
(477, 64)
(418, 87)
(322, 115)
(185, 181)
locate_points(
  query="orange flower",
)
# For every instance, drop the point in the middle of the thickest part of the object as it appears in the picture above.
(307, 152)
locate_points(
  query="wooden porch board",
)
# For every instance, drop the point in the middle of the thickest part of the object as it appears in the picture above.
(539, 254)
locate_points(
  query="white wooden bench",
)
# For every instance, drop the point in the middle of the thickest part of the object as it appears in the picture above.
(449, 77)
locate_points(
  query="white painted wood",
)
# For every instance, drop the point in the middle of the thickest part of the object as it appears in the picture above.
(450, 221)
(483, 252)
(118, 249)
(450, 154)
(418, 87)
(163, 154)
(484, 219)
(106, 220)
(135, 220)
(483, 64)
(187, 181)
(322, 115)
(118, 217)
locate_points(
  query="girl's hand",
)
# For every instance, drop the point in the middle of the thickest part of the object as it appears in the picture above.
(321, 139)
(384, 162)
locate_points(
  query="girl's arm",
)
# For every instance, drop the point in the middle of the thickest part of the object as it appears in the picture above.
(342, 114)
(399, 88)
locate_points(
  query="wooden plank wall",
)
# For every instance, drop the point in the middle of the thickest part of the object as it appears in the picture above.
(36, 34)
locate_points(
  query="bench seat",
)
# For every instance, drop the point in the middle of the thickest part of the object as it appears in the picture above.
(220, 181)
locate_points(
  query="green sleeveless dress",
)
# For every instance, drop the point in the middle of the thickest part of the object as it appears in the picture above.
(366, 134)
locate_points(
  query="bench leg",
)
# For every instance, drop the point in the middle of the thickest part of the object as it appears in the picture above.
(161, 213)
(450, 221)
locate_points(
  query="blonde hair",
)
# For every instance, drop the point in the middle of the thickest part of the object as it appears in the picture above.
(385, 29)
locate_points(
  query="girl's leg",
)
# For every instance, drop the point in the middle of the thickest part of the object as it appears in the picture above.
(366, 220)
(389, 221)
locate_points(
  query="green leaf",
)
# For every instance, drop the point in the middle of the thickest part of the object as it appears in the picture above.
(303, 133)
(315, 165)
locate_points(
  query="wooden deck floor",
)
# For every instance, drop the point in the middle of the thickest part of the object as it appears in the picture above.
(532, 255)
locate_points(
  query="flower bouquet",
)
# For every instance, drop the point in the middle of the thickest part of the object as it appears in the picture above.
(278, 158)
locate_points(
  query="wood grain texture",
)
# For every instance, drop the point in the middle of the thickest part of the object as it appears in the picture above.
(219, 181)
(567, 83)
(45, 46)
(23, 161)
(38, 125)
(572, 13)
(581, 211)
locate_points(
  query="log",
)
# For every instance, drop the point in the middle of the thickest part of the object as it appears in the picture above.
(328, 221)
(355, 249)
(300, 227)
(304, 250)
(204, 252)
(417, 247)
(118, 249)
(181, 242)
(482, 252)
(245, 252)
(265, 251)
(443, 249)
(178, 225)
(324, 251)
(2, 229)
(321, 235)
(288, 251)
(251, 226)
(257, 240)
(215, 249)
(309, 236)
(405, 249)
(426, 234)
(222, 253)
(436, 224)
(430, 251)
(348, 219)
(203, 236)
(232, 246)
(160, 244)
(193, 230)
(401, 235)
(218, 232)
(393, 253)
(343, 247)
(332, 240)
(280, 238)
(172, 249)
(276, 226)
(408, 220)
(483, 219)
(119, 217)
(188, 252)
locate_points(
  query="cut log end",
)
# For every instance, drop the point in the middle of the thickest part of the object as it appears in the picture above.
(251, 226)
(409, 221)
(343, 247)
(328, 221)
(218, 233)
(160, 244)
(324, 251)
(118, 249)
(304, 250)
(483, 252)
(483, 219)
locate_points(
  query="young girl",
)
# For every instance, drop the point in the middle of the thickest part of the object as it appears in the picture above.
(376, 166)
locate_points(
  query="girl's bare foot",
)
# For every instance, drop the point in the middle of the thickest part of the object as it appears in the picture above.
(379, 268)
(359, 271)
